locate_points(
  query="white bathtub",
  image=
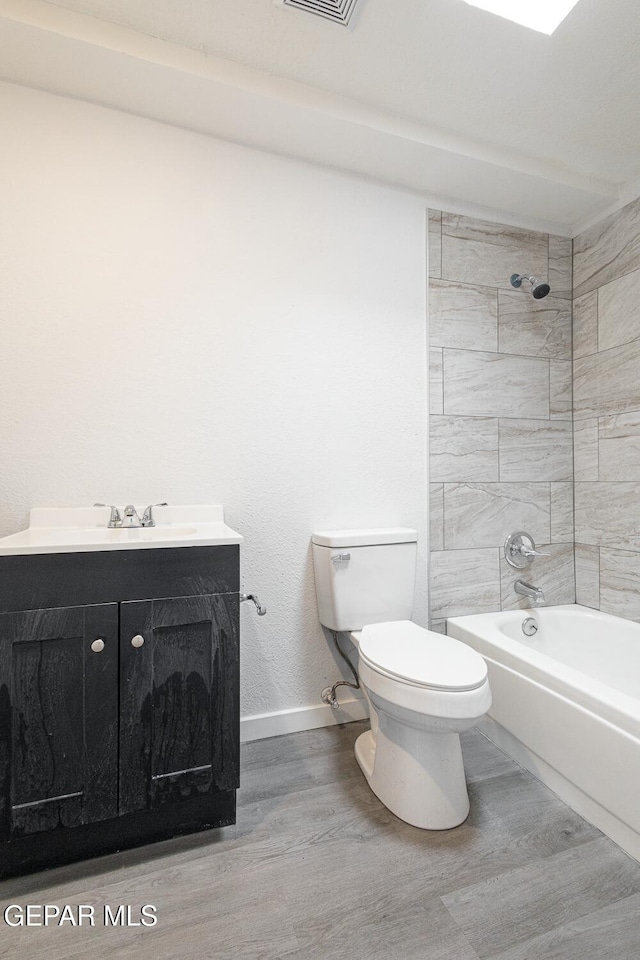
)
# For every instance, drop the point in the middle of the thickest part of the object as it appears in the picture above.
(566, 705)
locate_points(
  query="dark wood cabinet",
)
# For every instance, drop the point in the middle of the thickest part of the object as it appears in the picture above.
(178, 714)
(119, 712)
(58, 718)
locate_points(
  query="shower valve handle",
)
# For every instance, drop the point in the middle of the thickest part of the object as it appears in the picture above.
(531, 554)
(520, 550)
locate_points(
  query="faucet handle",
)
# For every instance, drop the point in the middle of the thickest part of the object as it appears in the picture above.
(520, 550)
(147, 516)
(115, 519)
(530, 553)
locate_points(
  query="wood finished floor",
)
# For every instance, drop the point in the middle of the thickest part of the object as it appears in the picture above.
(316, 867)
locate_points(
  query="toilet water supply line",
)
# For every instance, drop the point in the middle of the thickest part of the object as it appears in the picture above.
(329, 693)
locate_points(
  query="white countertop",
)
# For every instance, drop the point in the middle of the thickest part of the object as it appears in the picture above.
(84, 529)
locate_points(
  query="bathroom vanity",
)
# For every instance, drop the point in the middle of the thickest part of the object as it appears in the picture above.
(119, 685)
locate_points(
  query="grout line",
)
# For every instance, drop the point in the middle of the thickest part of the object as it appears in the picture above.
(492, 416)
(573, 437)
(498, 353)
(493, 286)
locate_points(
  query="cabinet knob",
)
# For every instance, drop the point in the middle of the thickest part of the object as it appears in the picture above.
(98, 645)
(137, 641)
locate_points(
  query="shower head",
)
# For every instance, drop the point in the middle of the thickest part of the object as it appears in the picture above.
(538, 288)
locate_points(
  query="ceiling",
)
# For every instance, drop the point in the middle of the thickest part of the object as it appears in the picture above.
(432, 95)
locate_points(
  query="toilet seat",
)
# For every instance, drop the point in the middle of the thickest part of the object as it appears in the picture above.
(407, 653)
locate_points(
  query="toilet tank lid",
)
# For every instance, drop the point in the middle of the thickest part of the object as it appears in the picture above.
(366, 537)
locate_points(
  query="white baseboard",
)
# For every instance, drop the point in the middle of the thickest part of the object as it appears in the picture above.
(264, 725)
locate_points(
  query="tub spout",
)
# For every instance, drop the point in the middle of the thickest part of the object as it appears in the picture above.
(527, 590)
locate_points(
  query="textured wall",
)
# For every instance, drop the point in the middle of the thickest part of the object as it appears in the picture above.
(188, 320)
(607, 413)
(500, 415)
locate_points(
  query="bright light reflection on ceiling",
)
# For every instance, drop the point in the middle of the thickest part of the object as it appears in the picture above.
(541, 15)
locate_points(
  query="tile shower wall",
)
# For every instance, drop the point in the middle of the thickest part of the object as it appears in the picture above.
(607, 413)
(500, 415)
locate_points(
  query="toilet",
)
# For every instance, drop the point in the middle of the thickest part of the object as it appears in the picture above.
(424, 689)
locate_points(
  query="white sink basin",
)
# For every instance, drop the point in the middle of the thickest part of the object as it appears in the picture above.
(83, 529)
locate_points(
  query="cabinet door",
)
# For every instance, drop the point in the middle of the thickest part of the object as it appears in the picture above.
(58, 718)
(179, 699)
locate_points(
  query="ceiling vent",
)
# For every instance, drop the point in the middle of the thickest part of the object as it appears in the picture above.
(338, 11)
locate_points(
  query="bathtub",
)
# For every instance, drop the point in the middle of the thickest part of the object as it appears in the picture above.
(566, 705)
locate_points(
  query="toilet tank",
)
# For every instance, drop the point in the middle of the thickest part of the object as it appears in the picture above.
(364, 576)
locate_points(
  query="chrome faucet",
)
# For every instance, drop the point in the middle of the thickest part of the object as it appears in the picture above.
(528, 590)
(130, 517)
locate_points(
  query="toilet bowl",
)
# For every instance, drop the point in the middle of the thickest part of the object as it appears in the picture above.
(423, 688)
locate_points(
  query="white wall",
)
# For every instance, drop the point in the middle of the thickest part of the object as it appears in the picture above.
(190, 320)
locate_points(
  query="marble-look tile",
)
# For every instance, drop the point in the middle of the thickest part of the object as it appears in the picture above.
(484, 514)
(462, 316)
(436, 516)
(585, 450)
(463, 448)
(561, 266)
(435, 382)
(478, 251)
(555, 575)
(607, 250)
(619, 311)
(605, 514)
(435, 243)
(495, 385)
(464, 582)
(438, 626)
(619, 447)
(619, 578)
(607, 383)
(562, 512)
(534, 328)
(587, 575)
(560, 390)
(585, 325)
(535, 450)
